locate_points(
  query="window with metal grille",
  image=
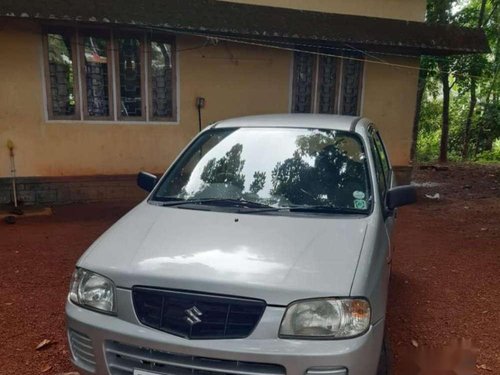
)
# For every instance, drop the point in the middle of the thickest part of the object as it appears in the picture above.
(97, 85)
(162, 79)
(326, 84)
(106, 75)
(60, 75)
(130, 80)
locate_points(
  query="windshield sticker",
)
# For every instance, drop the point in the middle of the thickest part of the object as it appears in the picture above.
(358, 194)
(360, 204)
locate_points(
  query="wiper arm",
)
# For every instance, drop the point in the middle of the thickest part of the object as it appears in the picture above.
(224, 202)
(327, 209)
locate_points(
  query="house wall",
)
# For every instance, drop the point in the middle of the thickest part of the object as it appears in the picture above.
(390, 97)
(235, 79)
(411, 10)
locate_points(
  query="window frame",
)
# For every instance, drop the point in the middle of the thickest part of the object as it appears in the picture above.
(378, 166)
(111, 79)
(386, 167)
(313, 84)
(72, 34)
(337, 87)
(112, 35)
(338, 104)
(342, 76)
(170, 40)
(116, 69)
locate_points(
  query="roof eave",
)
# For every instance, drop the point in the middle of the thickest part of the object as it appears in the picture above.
(261, 23)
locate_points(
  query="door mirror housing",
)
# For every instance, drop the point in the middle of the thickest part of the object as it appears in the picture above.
(146, 181)
(401, 196)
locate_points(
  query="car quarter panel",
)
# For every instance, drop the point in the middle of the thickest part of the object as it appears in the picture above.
(373, 271)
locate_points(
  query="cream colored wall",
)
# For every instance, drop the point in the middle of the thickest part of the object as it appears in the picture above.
(234, 80)
(412, 10)
(389, 99)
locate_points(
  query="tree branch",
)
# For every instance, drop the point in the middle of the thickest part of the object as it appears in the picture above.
(481, 14)
(491, 14)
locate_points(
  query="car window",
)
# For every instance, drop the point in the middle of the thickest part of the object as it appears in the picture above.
(383, 157)
(379, 169)
(280, 167)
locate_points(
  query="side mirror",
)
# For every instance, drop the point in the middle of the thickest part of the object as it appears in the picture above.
(146, 181)
(401, 196)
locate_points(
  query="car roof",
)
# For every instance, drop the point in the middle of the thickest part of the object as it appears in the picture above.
(295, 120)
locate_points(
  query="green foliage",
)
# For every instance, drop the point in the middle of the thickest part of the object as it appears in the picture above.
(430, 126)
(258, 183)
(226, 170)
(478, 74)
(429, 133)
(491, 155)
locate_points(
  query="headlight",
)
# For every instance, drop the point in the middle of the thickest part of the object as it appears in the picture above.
(91, 290)
(327, 318)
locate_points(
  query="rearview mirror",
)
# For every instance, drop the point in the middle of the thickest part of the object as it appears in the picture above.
(146, 181)
(401, 196)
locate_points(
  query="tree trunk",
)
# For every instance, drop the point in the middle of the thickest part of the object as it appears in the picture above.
(422, 83)
(468, 122)
(445, 122)
(473, 95)
(481, 14)
(496, 64)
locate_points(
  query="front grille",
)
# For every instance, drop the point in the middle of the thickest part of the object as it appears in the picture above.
(123, 359)
(197, 316)
(82, 350)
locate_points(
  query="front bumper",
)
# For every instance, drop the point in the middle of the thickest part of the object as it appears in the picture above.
(356, 356)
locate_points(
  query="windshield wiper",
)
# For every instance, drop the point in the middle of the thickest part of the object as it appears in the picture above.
(327, 209)
(222, 202)
(250, 206)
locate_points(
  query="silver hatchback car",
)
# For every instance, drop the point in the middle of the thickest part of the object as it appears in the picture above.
(265, 249)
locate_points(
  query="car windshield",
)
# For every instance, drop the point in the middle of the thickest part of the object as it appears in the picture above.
(284, 168)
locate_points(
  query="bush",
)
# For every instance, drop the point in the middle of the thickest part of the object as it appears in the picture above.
(428, 146)
(492, 155)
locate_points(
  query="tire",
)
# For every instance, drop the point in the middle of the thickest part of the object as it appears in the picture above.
(384, 364)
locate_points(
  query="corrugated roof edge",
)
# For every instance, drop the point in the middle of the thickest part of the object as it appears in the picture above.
(262, 23)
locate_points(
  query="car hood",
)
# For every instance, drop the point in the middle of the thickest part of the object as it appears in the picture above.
(276, 258)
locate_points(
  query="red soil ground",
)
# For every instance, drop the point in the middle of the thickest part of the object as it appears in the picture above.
(445, 283)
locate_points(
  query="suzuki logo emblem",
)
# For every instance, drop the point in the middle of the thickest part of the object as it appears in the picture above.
(193, 316)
